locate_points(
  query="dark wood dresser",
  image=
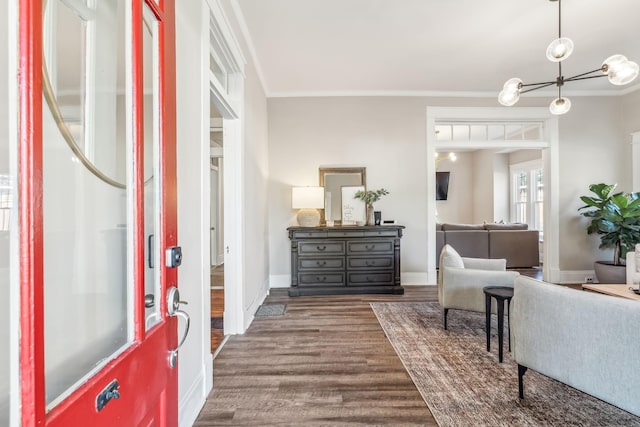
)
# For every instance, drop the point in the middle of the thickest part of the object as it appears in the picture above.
(345, 260)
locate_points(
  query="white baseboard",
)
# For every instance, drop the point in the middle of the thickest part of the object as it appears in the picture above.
(279, 281)
(414, 278)
(193, 400)
(575, 277)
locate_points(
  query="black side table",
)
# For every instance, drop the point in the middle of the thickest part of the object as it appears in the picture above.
(501, 294)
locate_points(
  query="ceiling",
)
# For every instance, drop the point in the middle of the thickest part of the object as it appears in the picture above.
(432, 47)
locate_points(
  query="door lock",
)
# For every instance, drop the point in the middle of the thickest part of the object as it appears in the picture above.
(174, 256)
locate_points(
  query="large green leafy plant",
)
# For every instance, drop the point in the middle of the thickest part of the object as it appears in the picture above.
(615, 216)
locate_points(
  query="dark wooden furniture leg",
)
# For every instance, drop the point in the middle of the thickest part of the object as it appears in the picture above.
(446, 311)
(500, 303)
(521, 371)
(487, 302)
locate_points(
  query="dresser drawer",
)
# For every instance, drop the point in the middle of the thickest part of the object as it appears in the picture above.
(381, 233)
(381, 278)
(321, 248)
(315, 263)
(346, 233)
(371, 246)
(310, 234)
(373, 262)
(320, 279)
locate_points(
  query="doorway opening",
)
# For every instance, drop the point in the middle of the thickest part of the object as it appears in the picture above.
(503, 133)
(216, 232)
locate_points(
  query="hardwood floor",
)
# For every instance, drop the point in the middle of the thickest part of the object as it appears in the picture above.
(326, 361)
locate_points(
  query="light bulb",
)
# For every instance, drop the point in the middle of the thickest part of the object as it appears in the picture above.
(560, 106)
(452, 157)
(559, 49)
(620, 70)
(508, 97)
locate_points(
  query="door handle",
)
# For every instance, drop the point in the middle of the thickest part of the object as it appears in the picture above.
(173, 309)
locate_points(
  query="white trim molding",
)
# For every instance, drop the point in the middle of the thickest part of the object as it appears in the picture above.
(635, 161)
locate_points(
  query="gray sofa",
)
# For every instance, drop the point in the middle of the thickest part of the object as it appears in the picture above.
(586, 340)
(513, 242)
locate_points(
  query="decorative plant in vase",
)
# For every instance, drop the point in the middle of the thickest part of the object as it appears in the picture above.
(369, 197)
(616, 217)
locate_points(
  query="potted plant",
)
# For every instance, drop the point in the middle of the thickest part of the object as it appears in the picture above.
(616, 217)
(369, 197)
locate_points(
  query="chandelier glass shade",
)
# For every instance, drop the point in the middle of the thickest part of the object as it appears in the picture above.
(617, 68)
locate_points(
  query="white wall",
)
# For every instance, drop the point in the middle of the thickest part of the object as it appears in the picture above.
(457, 208)
(387, 135)
(593, 148)
(192, 132)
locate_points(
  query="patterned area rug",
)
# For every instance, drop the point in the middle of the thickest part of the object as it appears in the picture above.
(464, 385)
(267, 310)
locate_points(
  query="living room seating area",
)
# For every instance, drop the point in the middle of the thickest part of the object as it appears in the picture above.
(492, 240)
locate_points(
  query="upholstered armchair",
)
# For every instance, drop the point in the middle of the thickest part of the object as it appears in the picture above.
(633, 266)
(460, 281)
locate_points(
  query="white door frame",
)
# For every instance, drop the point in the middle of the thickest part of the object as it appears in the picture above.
(229, 102)
(550, 161)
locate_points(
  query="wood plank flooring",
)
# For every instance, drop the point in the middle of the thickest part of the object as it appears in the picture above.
(326, 361)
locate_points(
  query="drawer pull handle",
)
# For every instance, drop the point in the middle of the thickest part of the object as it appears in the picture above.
(369, 279)
(321, 264)
(321, 248)
(323, 279)
(369, 248)
(371, 263)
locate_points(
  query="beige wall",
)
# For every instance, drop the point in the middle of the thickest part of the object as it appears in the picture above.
(387, 135)
(458, 208)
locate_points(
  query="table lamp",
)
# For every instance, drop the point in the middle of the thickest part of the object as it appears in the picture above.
(307, 200)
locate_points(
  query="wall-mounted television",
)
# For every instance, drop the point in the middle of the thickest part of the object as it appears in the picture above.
(442, 185)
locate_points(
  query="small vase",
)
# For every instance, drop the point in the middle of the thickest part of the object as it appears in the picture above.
(370, 218)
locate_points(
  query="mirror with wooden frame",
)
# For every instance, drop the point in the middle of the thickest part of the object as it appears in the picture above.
(333, 179)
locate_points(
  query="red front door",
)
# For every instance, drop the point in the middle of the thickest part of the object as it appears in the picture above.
(97, 203)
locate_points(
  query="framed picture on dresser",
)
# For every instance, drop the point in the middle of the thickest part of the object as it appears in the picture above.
(353, 210)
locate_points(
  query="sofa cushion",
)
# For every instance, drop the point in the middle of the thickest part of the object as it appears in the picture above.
(520, 248)
(469, 243)
(447, 227)
(513, 226)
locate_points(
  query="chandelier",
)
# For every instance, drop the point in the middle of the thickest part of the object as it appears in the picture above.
(617, 68)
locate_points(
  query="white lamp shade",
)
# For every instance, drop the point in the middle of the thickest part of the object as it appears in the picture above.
(307, 197)
(620, 70)
(560, 106)
(508, 97)
(559, 49)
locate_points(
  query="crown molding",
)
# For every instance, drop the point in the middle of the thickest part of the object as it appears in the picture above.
(444, 94)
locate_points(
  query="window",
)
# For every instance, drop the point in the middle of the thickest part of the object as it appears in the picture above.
(527, 194)
(6, 202)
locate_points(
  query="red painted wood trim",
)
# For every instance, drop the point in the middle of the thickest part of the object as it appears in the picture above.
(30, 212)
(168, 145)
(138, 160)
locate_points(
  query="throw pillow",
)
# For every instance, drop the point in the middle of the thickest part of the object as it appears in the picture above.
(450, 258)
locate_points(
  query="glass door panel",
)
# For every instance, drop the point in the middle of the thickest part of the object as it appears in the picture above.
(151, 168)
(86, 204)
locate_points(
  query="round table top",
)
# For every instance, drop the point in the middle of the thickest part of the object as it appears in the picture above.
(498, 291)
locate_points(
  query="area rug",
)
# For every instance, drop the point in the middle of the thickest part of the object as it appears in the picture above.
(267, 310)
(464, 385)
